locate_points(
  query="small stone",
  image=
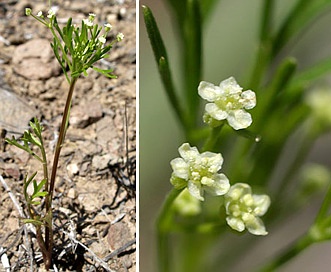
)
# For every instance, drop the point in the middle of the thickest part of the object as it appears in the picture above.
(118, 235)
(99, 249)
(15, 113)
(73, 169)
(101, 162)
(86, 114)
(12, 170)
(35, 60)
(122, 13)
(72, 193)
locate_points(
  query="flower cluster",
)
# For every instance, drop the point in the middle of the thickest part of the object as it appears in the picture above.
(243, 209)
(89, 23)
(228, 102)
(199, 172)
(78, 47)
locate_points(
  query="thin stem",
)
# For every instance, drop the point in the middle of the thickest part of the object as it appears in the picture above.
(212, 138)
(322, 214)
(301, 244)
(163, 225)
(63, 128)
(47, 254)
(61, 136)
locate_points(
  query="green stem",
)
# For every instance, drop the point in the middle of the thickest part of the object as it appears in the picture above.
(325, 207)
(296, 248)
(63, 128)
(61, 135)
(163, 226)
(212, 138)
(192, 58)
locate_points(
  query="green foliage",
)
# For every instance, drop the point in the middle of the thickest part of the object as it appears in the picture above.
(30, 139)
(78, 48)
(38, 192)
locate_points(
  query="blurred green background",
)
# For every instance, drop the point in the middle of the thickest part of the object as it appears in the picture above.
(230, 43)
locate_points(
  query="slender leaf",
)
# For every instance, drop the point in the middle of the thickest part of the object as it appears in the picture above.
(266, 20)
(32, 221)
(162, 61)
(192, 57)
(154, 35)
(301, 15)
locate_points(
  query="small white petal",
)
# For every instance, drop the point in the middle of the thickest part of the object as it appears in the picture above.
(256, 227)
(208, 91)
(215, 111)
(195, 190)
(239, 119)
(180, 168)
(262, 202)
(187, 152)
(235, 223)
(248, 99)
(215, 161)
(102, 39)
(88, 23)
(220, 185)
(231, 86)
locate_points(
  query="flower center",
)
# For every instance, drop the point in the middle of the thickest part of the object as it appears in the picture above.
(229, 102)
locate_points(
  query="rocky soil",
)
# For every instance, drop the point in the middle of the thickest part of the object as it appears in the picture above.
(94, 201)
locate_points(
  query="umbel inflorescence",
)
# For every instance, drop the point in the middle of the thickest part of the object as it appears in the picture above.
(200, 172)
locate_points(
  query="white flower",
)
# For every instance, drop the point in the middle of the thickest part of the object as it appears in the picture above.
(120, 36)
(229, 102)
(102, 39)
(28, 11)
(40, 14)
(244, 209)
(51, 13)
(91, 16)
(88, 22)
(199, 172)
(108, 27)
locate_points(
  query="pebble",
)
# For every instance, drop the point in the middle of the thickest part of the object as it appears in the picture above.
(101, 162)
(15, 113)
(73, 169)
(34, 60)
(72, 193)
(86, 113)
(118, 235)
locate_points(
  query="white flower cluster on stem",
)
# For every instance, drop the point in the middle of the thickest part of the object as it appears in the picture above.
(227, 102)
(199, 172)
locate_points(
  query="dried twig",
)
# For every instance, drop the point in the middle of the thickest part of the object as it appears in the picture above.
(22, 215)
(119, 250)
(12, 197)
(95, 257)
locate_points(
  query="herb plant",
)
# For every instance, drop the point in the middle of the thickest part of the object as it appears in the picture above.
(77, 49)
